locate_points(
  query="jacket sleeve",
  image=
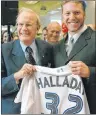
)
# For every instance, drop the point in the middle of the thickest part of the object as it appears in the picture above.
(8, 84)
(92, 78)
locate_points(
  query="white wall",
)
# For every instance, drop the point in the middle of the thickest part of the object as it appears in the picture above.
(90, 12)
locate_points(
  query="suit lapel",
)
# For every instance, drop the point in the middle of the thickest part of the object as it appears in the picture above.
(41, 50)
(63, 51)
(80, 43)
(18, 56)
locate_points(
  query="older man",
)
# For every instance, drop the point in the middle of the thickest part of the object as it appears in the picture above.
(18, 58)
(79, 47)
(53, 32)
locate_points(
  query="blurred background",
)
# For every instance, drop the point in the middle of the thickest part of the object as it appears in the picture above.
(48, 10)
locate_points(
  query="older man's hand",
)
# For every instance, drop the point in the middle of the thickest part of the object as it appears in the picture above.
(26, 70)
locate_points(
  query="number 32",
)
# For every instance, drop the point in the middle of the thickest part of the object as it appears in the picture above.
(55, 102)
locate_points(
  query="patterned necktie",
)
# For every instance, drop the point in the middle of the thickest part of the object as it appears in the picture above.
(29, 56)
(70, 46)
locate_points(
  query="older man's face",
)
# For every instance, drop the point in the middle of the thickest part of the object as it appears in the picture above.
(53, 33)
(73, 16)
(27, 27)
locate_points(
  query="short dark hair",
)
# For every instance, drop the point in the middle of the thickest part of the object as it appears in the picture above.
(82, 2)
(45, 28)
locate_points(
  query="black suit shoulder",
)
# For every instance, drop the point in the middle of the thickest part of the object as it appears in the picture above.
(57, 46)
(45, 51)
(44, 43)
(93, 35)
(44, 46)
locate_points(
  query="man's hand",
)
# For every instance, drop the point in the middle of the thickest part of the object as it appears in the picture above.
(26, 70)
(79, 68)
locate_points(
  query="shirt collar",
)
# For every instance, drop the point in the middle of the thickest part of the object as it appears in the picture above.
(33, 46)
(77, 35)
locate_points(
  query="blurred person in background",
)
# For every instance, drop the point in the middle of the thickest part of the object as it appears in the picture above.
(44, 33)
(5, 37)
(53, 32)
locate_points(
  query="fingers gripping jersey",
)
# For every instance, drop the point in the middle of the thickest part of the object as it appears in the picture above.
(52, 91)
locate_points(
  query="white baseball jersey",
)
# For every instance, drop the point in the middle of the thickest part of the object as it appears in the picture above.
(52, 91)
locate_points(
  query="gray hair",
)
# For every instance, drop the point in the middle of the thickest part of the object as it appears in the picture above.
(29, 10)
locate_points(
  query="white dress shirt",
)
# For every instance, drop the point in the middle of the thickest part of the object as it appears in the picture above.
(75, 36)
(34, 48)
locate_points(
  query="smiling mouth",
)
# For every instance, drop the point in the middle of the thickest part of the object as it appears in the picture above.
(72, 22)
(24, 34)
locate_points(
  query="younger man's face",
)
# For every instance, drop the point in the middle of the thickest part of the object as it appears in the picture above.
(73, 16)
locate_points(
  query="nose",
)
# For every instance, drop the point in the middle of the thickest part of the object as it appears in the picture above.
(72, 16)
(24, 27)
(54, 34)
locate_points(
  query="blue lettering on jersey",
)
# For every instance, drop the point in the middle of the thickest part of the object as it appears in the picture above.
(48, 82)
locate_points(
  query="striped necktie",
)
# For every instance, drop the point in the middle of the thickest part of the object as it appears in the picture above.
(30, 59)
(70, 46)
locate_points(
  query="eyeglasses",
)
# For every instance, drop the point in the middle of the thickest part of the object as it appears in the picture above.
(28, 25)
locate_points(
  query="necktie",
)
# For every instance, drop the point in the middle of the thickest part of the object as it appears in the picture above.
(29, 56)
(70, 46)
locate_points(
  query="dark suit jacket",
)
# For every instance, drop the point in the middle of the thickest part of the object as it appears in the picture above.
(12, 60)
(84, 50)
